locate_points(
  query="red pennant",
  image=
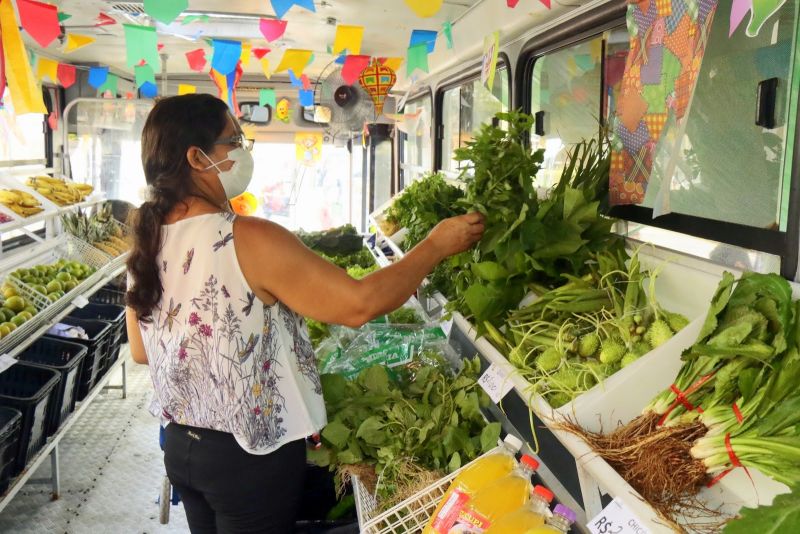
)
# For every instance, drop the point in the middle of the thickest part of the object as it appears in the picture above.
(353, 67)
(39, 20)
(129, 96)
(197, 59)
(261, 52)
(545, 3)
(52, 120)
(160, 46)
(104, 20)
(512, 3)
(306, 82)
(66, 75)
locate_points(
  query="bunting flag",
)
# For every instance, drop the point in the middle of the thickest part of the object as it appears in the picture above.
(75, 41)
(66, 75)
(260, 52)
(141, 43)
(197, 59)
(295, 60)
(282, 6)
(265, 68)
(353, 67)
(272, 29)
(227, 84)
(348, 38)
(424, 8)
(104, 20)
(244, 57)
(40, 20)
(47, 68)
(22, 86)
(661, 70)
(186, 89)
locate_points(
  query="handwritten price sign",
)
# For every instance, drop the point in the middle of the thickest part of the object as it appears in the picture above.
(495, 383)
(616, 519)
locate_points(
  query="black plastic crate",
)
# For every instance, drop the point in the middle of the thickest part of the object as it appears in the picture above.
(10, 425)
(28, 388)
(99, 333)
(66, 358)
(109, 294)
(115, 315)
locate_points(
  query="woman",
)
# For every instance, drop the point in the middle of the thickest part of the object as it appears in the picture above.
(215, 307)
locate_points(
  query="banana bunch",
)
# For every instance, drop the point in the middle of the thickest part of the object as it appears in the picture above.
(20, 202)
(62, 192)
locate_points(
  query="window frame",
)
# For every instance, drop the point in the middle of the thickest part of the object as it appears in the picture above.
(47, 133)
(782, 244)
(402, 138)
(473, 72)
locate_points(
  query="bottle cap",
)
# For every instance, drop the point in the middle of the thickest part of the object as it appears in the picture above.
(543, 492)
(565, 512)
(513, 442)
(530, 462)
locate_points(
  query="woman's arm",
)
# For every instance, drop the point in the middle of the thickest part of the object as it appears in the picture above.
(278, 266)
(135, 337)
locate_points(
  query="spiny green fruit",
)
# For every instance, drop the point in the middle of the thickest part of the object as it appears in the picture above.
(557, 400)
(658, 333)
(677, 321)
(629, 358)
(549, 360)
(612, 351)
(588, 344)
(641, 348)
(517, 357)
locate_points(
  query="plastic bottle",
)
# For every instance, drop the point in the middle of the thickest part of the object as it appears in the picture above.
(499, 498)
(481, 473)
(560, 523)
(529, 516)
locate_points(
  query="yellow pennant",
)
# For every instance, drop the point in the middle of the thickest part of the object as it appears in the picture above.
(47, 67)
(245, 57)
(265, 68)
(425, 8)
(186, 89)
(294, 60)
(393, 63)
(348, 38)
(75, 41)
(25, 94)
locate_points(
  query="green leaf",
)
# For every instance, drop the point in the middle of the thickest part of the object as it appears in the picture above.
(371, 431)
(782, 517)
(455, 462)
(489, 436)
(718, 303)
(489, 270)
(334, 388)
(336, 434)
(374, 379)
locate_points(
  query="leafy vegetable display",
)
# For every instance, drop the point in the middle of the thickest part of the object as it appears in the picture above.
(405, 315)
(362, 258)
(422, 205)
(574, 336)
(339, 241)
(527, 239)
(426, 415)
(782, 516)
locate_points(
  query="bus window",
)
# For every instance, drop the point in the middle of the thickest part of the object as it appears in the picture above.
(465, 108)
(417, 142)
(725, 156)
(21, 136)
(569, 96)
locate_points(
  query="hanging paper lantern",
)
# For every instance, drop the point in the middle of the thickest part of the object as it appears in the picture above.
(377, 80)
(245, 204)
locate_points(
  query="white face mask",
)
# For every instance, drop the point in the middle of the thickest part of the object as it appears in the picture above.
(236, 179)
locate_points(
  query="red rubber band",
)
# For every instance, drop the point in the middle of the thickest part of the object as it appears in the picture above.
(738, 413)
(681, 397)
(734, 461)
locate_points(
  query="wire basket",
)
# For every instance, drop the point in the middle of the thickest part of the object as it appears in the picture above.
(407, 517)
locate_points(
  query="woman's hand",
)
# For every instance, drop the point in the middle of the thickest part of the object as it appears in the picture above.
(457, 234)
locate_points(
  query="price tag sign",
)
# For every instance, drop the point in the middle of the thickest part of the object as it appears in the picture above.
(447, 326)
(495, 383)
(6, 361)
(616, 519)
(80, 301)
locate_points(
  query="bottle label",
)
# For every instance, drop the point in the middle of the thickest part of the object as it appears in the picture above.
(470, 522)
(448, 514)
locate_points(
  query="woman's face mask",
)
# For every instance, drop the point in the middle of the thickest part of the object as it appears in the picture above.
(236, 179)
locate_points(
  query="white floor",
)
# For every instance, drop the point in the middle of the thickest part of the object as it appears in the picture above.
(111, 472)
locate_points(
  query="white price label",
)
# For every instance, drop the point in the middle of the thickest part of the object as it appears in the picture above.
(616, 519)
(495, 383)
(80, 301)
(6, 361)
(447, 326)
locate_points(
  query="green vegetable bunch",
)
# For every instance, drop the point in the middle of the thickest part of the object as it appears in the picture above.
(362, 258)
(339, 241)
(425, 414)
(358, 272)
(527, 239)
(405, 315)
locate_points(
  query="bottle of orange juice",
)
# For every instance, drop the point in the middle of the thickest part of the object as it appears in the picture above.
(530, 516)
(482, 472)
(560, 523)
(497, 499)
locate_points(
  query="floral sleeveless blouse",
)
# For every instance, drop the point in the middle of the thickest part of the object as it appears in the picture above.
(220, 358)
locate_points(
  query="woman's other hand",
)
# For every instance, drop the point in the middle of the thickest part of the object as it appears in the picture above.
(457, 234)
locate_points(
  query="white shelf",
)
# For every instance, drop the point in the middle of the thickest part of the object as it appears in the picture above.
(48, 213)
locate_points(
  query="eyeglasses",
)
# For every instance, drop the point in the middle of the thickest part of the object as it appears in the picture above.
(238, 140)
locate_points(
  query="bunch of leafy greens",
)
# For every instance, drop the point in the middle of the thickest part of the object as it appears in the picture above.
(405, 315)
(527, 239)
(317, 332)
(422, 205)
(423, 413)
(358, 272)
(339, 241)
(362, 258)
(782, 516)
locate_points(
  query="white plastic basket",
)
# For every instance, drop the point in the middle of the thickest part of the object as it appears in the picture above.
(407, 517)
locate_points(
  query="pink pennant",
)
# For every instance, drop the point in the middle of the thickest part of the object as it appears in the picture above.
(272, 29)
(306, 82)
(39, 20)
(104, 20)
(512, 3)
(739, 11)
(197, 59)
(353, 67)
(545, 3)
(160, 46)
(260, 52)
(66, 75)
(52, 120)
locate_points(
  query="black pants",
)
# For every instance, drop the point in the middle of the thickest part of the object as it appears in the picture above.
(227, 490)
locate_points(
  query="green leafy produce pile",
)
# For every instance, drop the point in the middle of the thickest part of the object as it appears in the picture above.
(527, 239)
(317, 332)
(339, 241)
(426, 415)
(405, 315)
(422, 205)
(572, 337)
(782, 516)
(358, 272)
(362, 258)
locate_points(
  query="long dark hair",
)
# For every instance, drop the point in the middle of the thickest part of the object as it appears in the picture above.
(173, 126)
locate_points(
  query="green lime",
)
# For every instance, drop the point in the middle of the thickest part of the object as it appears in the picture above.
(69, 285)
(31, 309)
(54, 286)
(8, 324)
(40, 289)
(64, 276)
(18, 320)
(26, 315)
(16, 304)
(7, 314)
(53, 297)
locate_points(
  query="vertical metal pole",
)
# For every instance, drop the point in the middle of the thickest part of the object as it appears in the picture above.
(54, 474)
(124, 380)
